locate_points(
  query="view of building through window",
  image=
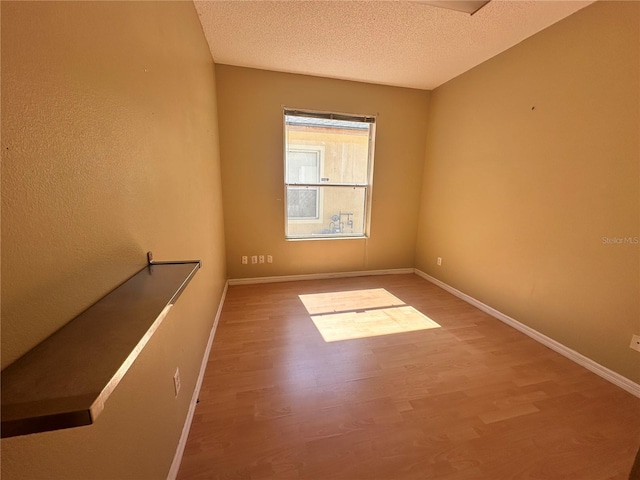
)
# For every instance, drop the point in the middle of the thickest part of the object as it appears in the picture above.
(328, 169)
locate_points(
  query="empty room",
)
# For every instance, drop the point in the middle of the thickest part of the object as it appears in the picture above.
(320, 239)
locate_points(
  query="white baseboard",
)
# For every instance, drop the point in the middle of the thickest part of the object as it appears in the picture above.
(317, 276)
(609, 375)
(177, 458)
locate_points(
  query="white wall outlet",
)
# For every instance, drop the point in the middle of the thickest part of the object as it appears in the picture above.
(254, 259)
(635, 342)
(261, 259)
(176, 381)
(439, 261)
(269, 258)
(245, 260)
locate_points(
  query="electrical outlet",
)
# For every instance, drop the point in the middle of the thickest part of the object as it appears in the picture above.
(439, 261)
(261, 259)
(244, 260)
(176, 381)
(635, 342)
(269, 258)
(254, 259)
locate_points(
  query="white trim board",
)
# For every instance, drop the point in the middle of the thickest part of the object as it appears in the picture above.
(318, 276)
(609, 375)
(177, 458)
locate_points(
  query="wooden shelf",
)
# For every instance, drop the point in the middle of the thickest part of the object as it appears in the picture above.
(65, 380)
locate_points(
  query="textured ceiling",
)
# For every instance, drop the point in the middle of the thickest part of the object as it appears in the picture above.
(402, 43)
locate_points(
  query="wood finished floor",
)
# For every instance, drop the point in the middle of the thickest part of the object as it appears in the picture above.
(473, 399)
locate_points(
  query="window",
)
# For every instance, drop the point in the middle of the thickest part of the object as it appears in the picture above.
(328, 173)
(303, 166)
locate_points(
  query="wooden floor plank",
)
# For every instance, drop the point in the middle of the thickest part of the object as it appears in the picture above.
(470, 399)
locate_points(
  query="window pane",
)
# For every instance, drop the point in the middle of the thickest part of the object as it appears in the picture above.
(341, 212)
(303, 166)
(302, 202)
(345, 144)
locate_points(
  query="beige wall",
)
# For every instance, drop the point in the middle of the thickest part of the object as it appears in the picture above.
(252, 171)
(109, 149)
(532, 158)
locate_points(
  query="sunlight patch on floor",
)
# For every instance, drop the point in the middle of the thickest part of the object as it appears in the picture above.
(362, 313)
(319, 303)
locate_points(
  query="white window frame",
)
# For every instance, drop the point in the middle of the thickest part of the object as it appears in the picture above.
(319, 149)
(367, 187)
